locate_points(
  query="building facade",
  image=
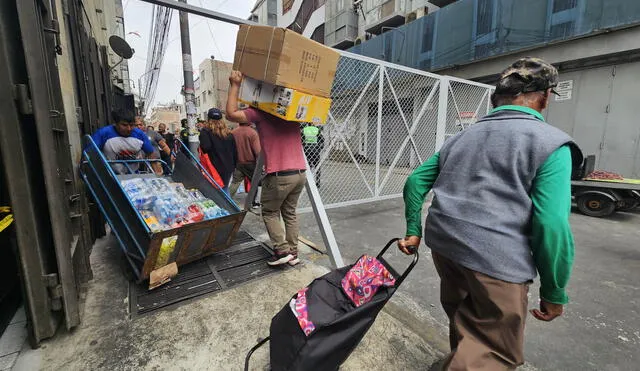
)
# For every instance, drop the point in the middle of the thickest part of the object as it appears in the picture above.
(212, 86)
(265, 12)
(58, 58)
(594, 43)
(340, 23)
(169, 115)
(108, 15)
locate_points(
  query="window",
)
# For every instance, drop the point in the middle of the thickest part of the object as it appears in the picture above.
(485, 17)
(202, 75)
(204, 97)
(560, 5)
(318, 34)
(388, 46)
(427, 35)
(562, 30)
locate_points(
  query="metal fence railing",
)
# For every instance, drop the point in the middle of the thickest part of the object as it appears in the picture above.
(385, 120)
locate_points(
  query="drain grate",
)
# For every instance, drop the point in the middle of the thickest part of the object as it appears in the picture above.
(244, 261)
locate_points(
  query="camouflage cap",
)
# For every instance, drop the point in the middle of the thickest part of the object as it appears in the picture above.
(527, 75)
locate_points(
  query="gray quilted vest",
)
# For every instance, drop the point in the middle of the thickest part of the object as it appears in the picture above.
(481, 211)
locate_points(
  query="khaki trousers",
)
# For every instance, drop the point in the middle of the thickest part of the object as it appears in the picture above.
(486, 318)
(279, 197)
(241, 171)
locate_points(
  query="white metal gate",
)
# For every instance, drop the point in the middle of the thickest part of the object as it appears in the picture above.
(385, 120)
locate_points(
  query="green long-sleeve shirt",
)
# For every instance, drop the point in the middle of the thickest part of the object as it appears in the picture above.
(552, 242)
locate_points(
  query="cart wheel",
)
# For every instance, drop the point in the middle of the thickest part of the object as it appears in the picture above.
(628, 204)
(595, 205)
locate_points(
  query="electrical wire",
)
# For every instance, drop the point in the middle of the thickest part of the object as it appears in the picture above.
(160, 26)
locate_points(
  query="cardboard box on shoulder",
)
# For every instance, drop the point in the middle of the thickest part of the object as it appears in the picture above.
(284, 58)
(286, 103)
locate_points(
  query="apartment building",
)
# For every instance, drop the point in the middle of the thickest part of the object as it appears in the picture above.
(211, 86)
(169, 114)
(340, 23)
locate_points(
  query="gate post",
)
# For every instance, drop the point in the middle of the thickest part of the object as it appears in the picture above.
(443, 99)
(379, 130)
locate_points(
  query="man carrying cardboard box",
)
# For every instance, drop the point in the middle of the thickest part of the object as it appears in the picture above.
(285, 168)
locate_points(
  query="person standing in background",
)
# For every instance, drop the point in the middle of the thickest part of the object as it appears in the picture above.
(184, 136)
(285, 179)
(248, 146)
(170, 139)
(218, 143)
(158, 142)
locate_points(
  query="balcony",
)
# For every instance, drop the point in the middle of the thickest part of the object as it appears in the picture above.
(343, 38)
(388, 14)
(341, 30)
(392, 20)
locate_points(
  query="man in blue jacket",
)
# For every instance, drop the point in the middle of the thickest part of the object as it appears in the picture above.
(123, 141)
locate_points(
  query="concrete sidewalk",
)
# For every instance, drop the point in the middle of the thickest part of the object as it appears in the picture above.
(211, 333)
(600, 327)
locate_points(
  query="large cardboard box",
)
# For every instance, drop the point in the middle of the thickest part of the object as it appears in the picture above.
(282, 57)
(286, 103)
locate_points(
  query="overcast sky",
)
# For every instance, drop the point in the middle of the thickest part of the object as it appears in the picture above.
(208, 38)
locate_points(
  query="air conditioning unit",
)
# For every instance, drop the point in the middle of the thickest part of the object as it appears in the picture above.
(410, 17)
(422, 11)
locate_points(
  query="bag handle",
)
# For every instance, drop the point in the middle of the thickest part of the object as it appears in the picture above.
(401, 278)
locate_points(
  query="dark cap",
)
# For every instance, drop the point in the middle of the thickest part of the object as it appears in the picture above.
(214, 114)
(527, 75)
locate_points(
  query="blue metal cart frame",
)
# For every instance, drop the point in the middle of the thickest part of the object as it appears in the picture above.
(139, 244)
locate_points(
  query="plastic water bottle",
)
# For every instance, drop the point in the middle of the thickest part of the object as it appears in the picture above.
(138, 193)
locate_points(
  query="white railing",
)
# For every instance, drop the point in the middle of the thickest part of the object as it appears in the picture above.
(386, 120)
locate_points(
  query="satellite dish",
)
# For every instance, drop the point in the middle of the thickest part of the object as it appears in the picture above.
(120, 47)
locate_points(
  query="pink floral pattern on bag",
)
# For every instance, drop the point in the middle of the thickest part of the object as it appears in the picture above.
(302, 313)
(364, 279)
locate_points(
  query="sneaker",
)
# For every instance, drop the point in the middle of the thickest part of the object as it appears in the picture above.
(295, 260)
(279, 259)
(255, 205)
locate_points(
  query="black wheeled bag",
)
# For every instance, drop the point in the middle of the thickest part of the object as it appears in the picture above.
(339, 324)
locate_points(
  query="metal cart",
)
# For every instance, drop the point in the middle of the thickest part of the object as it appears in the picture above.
(139, 244)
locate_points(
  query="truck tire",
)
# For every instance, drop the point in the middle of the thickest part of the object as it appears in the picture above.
(628, 204)
(595, 205)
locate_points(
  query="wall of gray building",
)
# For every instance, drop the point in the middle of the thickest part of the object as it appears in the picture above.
(601, 115)
(605, 74)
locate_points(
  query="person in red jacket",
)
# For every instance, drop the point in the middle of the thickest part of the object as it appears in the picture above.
(248, 146)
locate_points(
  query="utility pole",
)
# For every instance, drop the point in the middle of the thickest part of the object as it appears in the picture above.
(189, 96)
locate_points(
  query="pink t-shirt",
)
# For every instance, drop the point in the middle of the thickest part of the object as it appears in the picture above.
(280, 140)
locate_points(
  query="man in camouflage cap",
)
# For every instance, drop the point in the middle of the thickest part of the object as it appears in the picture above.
(499, 217)
(527, 75)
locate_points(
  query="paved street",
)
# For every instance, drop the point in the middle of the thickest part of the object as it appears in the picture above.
(601, 327)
